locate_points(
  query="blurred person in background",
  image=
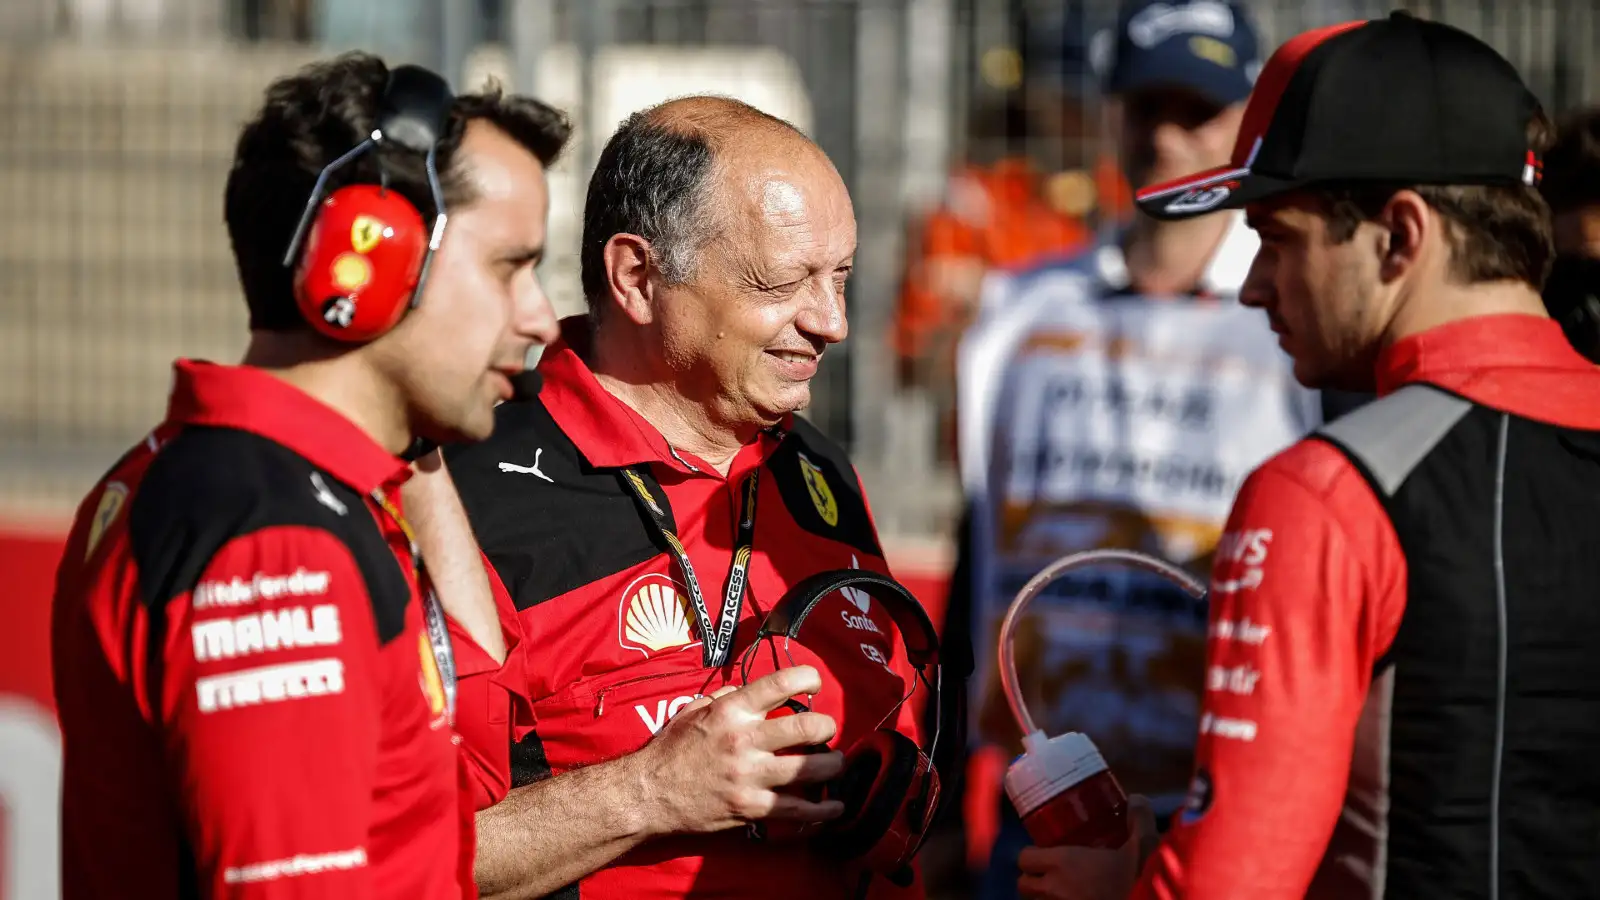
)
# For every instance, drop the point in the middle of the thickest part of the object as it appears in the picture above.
(1033, 186)
(1117, 400)
(1404, 625)
(660, 449)
(254, 681)
(1572, 188)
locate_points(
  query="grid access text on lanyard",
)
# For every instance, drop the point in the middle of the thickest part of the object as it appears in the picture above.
(714, 647)
(444, 657)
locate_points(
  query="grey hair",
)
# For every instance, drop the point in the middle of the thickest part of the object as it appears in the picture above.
(654, 182)
(682, 225)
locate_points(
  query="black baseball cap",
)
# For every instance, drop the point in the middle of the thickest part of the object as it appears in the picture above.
(1400, 99)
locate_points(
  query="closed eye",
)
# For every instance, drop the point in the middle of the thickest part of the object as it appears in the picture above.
(783, 290)
(509, 264)
(522, 256)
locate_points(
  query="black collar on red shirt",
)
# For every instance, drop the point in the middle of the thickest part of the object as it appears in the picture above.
(1507, 341)
(251, 399)
(608, 432)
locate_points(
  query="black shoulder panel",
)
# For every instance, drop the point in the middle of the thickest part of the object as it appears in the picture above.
(211, 485)
(821, 490)
(548, 521)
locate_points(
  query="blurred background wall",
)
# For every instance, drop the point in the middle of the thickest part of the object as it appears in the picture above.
(116, 125)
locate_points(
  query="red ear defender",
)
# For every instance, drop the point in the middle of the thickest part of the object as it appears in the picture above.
(889, 786)
(360, 255)
(890, 792)
(362, 259)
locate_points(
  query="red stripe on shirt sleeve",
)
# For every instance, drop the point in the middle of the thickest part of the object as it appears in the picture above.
(1304, 599)
(271, 703)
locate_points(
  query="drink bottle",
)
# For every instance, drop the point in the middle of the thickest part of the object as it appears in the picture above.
(1066, 794)
(1061, 786)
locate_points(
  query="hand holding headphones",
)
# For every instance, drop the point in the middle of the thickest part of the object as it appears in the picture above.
(889, 786)
(721, 764)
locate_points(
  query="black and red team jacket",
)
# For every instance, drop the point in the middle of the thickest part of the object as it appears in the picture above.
(1403, 692)
(249, 704)
(611, 647)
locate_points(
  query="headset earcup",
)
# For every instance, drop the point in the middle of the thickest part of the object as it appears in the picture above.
(879, 773)
(361, 261)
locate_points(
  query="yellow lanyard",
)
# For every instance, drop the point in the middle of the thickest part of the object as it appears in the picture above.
(432, 611)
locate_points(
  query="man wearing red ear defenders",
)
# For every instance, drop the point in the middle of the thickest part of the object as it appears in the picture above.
(254, 677)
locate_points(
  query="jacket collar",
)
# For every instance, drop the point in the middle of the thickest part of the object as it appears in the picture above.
(1447, 353)
(254, 400)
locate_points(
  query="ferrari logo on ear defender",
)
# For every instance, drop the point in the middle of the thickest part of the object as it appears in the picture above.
(366, 233)
(821, 494)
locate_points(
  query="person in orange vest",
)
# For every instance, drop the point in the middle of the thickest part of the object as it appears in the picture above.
(1003, 206)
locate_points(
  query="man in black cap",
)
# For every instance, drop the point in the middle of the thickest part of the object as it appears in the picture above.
(1404, 648)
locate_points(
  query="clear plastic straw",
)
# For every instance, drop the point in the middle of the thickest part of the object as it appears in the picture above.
(1036, 586)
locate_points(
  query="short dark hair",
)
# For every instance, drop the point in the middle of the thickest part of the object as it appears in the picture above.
(655, 179)
(1495, 232)
(311, 118)
(1572, 167)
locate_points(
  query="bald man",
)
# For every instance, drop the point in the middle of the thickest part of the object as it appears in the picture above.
(659, 446)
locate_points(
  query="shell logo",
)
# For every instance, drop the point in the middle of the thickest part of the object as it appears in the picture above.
(351, 272)
(655, 615)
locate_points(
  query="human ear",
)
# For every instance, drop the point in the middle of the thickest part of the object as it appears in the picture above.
(627, 260)
(1408, 221)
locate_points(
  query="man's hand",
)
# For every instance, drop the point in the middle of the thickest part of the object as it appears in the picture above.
(1078, 873)
(719, 763)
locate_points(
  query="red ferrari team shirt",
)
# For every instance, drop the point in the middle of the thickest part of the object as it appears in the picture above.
(1311, 774)
(249, 701)
(614, 646)
(484, 691)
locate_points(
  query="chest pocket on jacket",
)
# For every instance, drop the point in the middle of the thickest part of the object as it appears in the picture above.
(605, 716)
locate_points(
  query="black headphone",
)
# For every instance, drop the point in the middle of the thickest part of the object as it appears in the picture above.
(889, 786)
